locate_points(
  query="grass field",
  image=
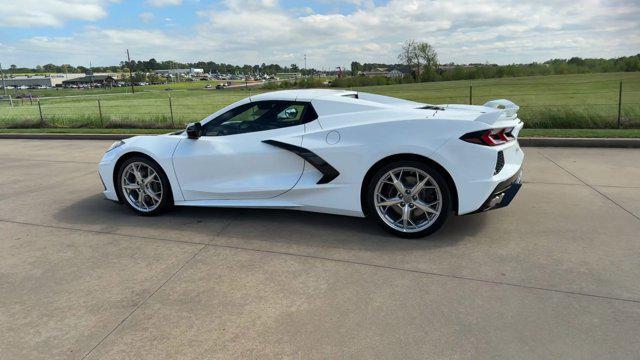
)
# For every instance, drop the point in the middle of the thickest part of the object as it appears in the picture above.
(560, 101)
(557, 101)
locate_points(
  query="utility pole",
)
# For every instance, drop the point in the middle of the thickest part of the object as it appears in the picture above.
(4, 87)
(130, 73)
(305, 61)
(91, 74)
(619, 104)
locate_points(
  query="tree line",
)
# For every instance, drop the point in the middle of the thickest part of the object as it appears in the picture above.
(419, 62)
(152, 64)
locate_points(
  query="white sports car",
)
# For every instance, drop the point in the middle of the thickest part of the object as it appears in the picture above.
(407, 165)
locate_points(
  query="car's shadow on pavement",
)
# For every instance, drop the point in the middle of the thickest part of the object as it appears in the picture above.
(284, 227)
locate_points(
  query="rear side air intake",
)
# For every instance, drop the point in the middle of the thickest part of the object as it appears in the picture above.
(499, 163)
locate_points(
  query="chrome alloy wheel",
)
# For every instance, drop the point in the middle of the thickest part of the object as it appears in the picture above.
(141, 186)
(407, 199)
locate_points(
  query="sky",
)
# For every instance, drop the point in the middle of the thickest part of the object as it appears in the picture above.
(331, 32)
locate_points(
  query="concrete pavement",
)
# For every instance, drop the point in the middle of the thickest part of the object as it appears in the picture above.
(554, 275)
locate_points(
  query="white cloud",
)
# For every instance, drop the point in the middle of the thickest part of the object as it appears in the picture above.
(243, 31)
(146, 17)
(160, 3)
(32, 13)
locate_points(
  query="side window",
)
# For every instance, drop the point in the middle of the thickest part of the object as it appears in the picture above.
(258, 116)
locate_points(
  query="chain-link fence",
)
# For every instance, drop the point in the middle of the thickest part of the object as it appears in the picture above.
(586, 104)
(569, 105)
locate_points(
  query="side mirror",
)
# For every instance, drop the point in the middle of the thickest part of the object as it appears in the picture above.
(194, 130)
(288, 114)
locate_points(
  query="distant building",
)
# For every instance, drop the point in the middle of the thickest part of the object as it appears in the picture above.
(374, 73)
(38, 80)
(173, 72)
(90, 79)
(382, 72)
(294, 75)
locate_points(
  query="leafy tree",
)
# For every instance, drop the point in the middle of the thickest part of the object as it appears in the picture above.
(426, 54)
(355, 68)
(407, 55)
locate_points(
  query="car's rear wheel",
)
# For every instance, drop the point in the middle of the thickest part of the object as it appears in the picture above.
(408, 198)
(143, 186)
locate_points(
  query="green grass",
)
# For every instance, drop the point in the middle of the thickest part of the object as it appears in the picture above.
(568, 133)
(585, 101)
(556, 101)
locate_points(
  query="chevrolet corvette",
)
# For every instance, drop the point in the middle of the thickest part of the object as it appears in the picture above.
(406, 165)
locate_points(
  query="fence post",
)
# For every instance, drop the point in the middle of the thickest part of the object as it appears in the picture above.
(100, 112)
(41, 117)
(171, 111)
(470, 94)
(619, 104)
(11, 101)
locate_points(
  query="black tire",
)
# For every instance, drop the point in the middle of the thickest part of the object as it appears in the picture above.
(445, 210)
(166, 201)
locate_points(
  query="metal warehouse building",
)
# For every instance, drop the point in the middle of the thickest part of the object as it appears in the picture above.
(38, 80)
(90, 79)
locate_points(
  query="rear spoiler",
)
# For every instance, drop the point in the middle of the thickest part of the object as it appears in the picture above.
(510, 109)
(505, 111)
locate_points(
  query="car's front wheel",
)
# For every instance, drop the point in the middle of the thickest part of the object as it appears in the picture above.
(143, 186)
(408, 198)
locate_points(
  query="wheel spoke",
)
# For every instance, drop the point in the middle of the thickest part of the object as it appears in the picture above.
(141, 199)
(136, 173)
(389, 202)
(406, 213)
(397, 183)
(427, 208)
(421, 185)
(149, 178)
(153, 196)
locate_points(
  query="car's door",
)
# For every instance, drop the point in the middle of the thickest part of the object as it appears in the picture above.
(231, 162)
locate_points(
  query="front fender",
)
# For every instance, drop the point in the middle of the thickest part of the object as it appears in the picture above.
(160, 148)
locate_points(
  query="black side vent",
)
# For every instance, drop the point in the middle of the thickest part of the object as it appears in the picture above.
(432, 107)
(499, 162)
(328, 172)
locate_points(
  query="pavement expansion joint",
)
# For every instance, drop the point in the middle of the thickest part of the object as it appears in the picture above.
(380, 266)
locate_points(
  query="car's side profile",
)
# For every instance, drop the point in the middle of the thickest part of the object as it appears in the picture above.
(407, 165)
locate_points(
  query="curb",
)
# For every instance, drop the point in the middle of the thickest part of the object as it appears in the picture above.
(524, 141)
(580, 142)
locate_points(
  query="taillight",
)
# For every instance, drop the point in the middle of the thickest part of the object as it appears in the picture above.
(490, 137)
